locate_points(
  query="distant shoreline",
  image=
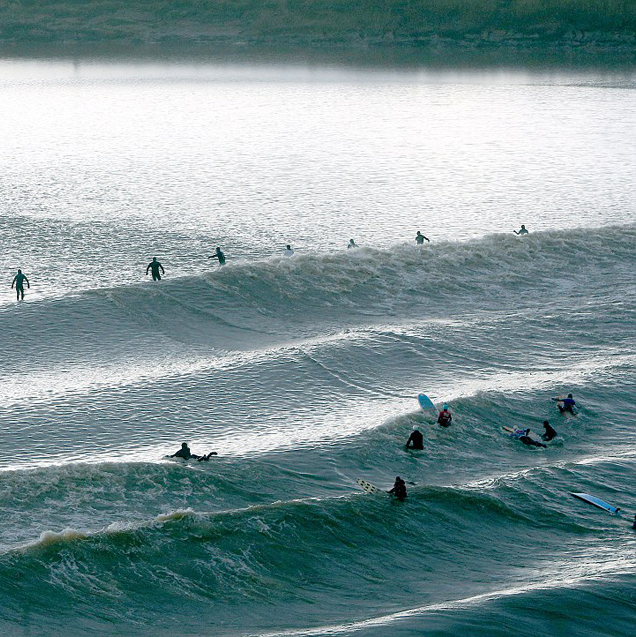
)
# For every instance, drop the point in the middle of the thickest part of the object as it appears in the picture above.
(590, 25)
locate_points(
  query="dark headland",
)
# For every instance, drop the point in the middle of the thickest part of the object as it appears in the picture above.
(529, 24)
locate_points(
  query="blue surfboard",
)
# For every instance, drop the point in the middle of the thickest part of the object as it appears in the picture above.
(597, 502)
(425, 402)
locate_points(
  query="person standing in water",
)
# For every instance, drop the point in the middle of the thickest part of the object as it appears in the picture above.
(522, 231)
(419, 238)
(218, 255)
(18, 281)
(288, 252)
(154, 265)
(416, 439)
(444, 418)
(549, 431)
(352, 244)
(399, 489)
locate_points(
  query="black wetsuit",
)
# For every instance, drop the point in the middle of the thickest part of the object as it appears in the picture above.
(531, 443)
(417, 439)
(419, 239)
(549, 433)
(19, 280)
(399, 490)
(220, 256)
(154, 266)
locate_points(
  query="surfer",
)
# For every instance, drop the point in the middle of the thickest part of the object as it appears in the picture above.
(568, 404)
(525, 438)
(18, 281)
(218, 255)
(522, 231)
(634, 523)
(288, 251)
(416, 439)
(186, 454)
(351, 244)
(399, 488)
(419, 238)
(549, 431)
(444, 417)
(154, 265)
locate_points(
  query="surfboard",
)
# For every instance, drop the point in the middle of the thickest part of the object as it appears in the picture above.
(597, 502)
(425, 402)
(367, 487)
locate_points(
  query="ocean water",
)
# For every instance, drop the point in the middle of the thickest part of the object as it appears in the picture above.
(302, 373)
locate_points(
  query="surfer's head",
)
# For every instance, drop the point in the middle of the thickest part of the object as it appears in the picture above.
(569, 395)
(545, 423)
(184, 445)
(444, 406)
(415, 427)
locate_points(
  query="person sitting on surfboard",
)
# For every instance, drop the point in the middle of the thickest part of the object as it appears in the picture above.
(549, 431)
(186, 454)
(568, 404)
(419, 238)
(416, 439)
(445, 417)
(522, 231)
(399, 488)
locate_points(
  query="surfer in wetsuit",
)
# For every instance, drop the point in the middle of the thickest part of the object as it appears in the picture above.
(525, 438)
(549, 431)
(634, 523)
(18, 281)
(419, 238)
(444, 418)
(399, 488)
(288, 252)
(154, 265)
(218, 255)
(522, 231)
(416, 439)
(351, 244)
(568, 404)
(186, 454)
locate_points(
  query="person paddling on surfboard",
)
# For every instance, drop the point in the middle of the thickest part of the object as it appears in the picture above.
(419, 238)
(218, 255)
(186, 454)
(549, 431)
(444, 417)
(399, 488)
(531, 442)
(567, 406)
(416, 439)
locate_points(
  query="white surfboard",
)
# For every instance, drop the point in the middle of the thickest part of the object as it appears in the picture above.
(597, 502)
(534, 436)
(367, 487)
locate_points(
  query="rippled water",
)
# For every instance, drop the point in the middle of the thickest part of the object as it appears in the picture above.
(303, 373)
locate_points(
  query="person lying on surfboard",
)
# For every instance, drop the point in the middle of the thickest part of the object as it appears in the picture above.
(445, 417)
(399, 489)
(186, 454)
(524, 436)
(416, 439)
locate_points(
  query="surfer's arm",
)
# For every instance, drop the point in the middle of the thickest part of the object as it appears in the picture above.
(28, 284)
(13, 282)
(162, 270)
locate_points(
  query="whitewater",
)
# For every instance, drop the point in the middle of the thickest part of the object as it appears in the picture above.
(303, 372)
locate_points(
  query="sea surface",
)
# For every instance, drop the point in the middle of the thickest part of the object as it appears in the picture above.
(303, 372)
